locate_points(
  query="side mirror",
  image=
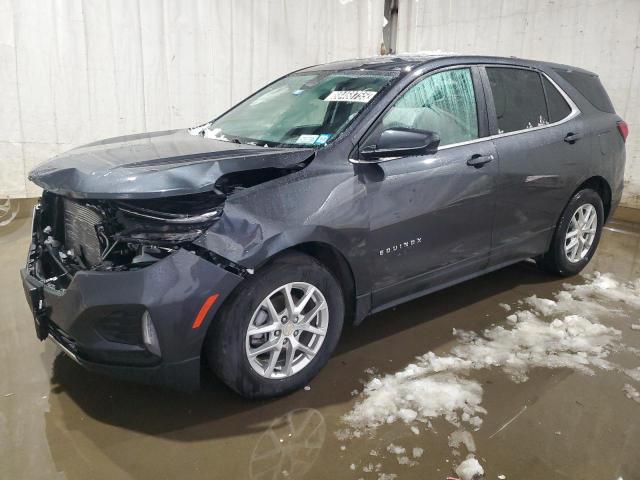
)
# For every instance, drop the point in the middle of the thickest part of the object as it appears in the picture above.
(402, 142)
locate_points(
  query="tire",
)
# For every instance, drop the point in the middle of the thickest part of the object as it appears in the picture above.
(228, 342)
(557, 260)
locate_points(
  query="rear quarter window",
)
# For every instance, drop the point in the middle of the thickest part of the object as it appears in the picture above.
(590, 87)
(558, 106)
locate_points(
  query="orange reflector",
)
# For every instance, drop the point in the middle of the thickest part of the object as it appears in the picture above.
(206, 306)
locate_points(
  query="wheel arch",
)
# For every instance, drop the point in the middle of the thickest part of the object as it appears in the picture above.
(602, 187)
(597, 183)
(330, 257)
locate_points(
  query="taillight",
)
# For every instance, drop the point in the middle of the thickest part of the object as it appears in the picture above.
(623, 128)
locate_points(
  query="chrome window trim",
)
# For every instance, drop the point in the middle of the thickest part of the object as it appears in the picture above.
(575, 111)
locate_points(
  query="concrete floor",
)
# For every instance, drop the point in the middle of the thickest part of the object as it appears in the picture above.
(59, 421)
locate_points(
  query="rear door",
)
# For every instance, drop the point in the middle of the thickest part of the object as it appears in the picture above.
(537, 132)
(431, 215)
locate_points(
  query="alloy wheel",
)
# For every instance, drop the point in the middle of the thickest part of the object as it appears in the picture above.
(581, 233)
(287, 330)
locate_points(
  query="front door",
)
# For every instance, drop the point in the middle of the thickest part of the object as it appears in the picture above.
(431, 215)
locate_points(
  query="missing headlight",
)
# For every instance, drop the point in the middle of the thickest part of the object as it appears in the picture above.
(180, 219)
(108, 235)
(164, 238)
(166, 222)
(199, 208)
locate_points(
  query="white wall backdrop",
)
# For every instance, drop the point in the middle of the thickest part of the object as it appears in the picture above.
(73, 71)
(599, 35)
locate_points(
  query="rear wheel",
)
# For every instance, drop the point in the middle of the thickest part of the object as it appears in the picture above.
(577, 234)
(278, 329)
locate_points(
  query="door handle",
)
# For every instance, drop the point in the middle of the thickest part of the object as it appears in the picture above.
(572, 137)
(478, 160)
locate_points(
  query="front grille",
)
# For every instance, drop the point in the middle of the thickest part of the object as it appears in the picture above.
(80, 231)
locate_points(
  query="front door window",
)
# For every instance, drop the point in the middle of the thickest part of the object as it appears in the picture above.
(444, 103)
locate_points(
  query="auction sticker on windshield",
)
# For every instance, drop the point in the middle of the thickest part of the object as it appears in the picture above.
(307, 139)
(322, 139)
(350, 96)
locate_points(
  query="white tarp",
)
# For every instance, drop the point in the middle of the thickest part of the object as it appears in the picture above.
(74, 71)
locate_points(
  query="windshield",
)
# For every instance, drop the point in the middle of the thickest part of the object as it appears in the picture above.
(300, 110)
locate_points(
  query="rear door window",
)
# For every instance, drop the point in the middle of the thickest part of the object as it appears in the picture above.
(558, 106)
(519, 98)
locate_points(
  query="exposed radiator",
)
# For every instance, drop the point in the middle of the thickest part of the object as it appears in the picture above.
(80, 231)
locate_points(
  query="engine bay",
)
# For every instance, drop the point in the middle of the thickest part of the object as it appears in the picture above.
(107, 235)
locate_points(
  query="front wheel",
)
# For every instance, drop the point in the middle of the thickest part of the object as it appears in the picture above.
(278, 328)
(577, 234)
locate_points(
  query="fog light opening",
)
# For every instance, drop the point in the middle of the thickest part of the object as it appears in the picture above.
(149, 335)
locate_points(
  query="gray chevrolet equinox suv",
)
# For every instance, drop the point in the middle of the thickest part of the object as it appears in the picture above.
(336, 191)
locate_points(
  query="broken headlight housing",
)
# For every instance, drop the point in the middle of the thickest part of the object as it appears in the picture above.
(152, 228)
(110, 235)
(161, 227)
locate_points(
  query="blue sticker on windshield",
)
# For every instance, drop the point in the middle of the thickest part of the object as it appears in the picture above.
(322, 139)
(307, 139)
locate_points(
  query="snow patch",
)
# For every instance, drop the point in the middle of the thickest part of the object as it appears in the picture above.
(372, 468)
(558, 332)
(633, 373)
(435, 386)
(430, 395)
(387, 476)
(206, 132)
(404, 460)
(399, 452)
(395, 449)
(631, 393)
(198, 130)
(462, 437)
(470, 469)
(549, 335)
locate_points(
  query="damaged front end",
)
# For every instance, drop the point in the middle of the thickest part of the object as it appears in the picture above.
(117, 284)
(117, 274)
(75, 234)
(125, 203)
(110, 235)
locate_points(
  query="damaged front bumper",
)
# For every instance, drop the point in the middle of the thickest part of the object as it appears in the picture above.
(97, 318)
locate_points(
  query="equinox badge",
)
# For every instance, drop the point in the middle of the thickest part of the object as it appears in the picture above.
(400, 246)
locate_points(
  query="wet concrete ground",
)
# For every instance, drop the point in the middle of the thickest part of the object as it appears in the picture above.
(59, 421)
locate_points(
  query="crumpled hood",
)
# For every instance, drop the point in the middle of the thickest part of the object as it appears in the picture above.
(157, 164)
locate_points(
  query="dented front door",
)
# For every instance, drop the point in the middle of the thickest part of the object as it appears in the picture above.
(431, 220)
